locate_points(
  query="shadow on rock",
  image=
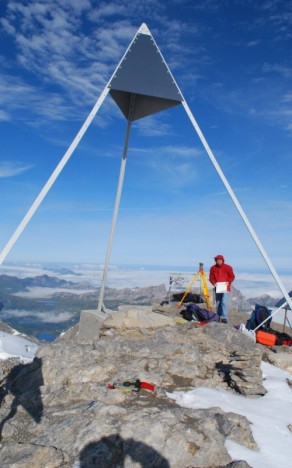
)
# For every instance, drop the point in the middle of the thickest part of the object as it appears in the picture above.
(24, 382)
(113, 450)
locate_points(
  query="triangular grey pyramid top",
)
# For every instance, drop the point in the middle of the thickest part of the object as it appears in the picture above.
(144, 72)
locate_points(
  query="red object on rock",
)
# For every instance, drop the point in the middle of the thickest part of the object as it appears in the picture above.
(147, 385)
(131, 385)
(265, 338)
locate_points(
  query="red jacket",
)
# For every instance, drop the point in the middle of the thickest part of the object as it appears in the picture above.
(220, 273)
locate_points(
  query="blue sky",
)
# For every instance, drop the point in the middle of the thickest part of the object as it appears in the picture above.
(232, 61)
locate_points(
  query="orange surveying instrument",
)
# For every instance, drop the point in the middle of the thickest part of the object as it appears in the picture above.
(204, 287)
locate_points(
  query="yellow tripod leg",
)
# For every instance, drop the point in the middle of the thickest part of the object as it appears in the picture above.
(188, 289)
(206, 290)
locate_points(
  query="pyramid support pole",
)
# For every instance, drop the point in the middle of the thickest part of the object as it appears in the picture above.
(100, 306)
(237, 204)
(22, 225)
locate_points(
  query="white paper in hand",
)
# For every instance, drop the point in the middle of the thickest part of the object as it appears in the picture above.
(221, 287)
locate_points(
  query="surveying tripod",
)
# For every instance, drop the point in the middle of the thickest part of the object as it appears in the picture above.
(204, 287)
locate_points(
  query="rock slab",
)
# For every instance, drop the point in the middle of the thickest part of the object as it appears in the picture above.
(59, 411)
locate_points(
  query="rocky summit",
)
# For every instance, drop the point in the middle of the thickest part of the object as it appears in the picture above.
(59, 412)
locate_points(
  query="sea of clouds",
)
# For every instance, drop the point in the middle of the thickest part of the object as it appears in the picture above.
(250, 284)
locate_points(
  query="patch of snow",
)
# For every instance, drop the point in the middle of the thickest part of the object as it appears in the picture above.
(15, 346)
(269, 415)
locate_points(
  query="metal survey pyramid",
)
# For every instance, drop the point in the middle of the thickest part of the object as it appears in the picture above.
(144, 72)
(141, 85)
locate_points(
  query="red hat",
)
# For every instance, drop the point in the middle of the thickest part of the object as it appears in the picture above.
(219, 257)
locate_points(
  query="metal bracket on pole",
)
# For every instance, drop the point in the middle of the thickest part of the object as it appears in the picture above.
(100, 306)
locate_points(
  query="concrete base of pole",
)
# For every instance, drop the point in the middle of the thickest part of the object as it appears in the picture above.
(89, 325)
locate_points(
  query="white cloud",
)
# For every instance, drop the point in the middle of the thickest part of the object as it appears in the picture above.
(283, 70)
(107, 10)
(174, 175)
(9, 28)
(16, 94)
(125, 9)
(153, 126)
(287, 97)
(11, 169)
(4, 115)
(45, 317)
(53, 49)
(253, 43)
(177, 151)
(39, 292)
(174, 165)
(268, 99)
(257, 284)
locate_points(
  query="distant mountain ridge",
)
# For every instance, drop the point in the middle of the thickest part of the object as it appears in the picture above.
(14, 284)
(265, 300)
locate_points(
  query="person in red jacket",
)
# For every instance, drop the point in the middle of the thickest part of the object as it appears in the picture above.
(221, 276)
